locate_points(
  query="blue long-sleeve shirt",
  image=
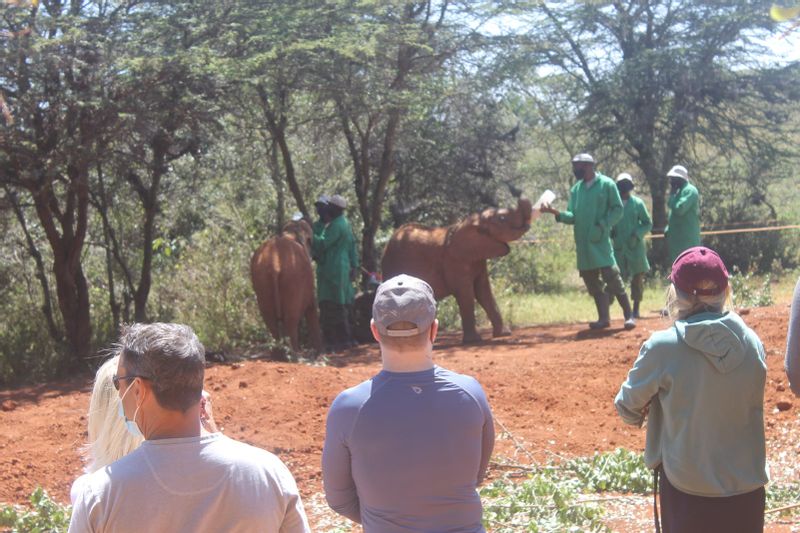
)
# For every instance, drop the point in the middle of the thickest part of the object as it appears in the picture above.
(405, 452)
(793, 343)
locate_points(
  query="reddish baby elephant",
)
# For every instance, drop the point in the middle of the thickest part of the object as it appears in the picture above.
(453, 259)
(283, 280)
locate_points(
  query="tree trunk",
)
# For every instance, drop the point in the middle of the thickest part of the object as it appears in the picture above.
(280, 211)
(67, 245)
(277, 128)
(73, 302)
(47, 306)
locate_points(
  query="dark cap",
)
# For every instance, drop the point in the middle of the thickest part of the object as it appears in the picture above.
(403, 299)
(696, 265)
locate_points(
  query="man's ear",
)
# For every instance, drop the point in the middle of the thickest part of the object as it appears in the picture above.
(434, 329)
(142, 390)
(374, 330)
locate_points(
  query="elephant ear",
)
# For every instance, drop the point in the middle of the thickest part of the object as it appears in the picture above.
(469, 241)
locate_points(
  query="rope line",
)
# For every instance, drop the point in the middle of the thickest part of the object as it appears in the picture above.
(661, 235)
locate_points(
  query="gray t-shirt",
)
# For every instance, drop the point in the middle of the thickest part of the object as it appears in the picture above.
(406, 451)
(208, 483)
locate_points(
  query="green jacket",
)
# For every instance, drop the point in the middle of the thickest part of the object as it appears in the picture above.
(704, 381)
(334, 249)
(683, 226)
(593, 211)
(628, 236)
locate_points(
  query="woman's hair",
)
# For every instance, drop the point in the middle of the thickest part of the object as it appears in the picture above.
(681, 305)
(108, 438)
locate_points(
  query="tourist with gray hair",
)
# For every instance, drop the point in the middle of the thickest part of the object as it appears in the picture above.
(700, 384)
(405, 450)
(180, 479)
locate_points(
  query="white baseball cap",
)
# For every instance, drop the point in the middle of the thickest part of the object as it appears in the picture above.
(678, 171)
(323, 199)
(338, 201)
(583, 158)
(625, 177)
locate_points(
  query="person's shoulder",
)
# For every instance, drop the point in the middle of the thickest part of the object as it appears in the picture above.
(238, 452)
(605, 180)
(121, 471)
(245, 457)
(353, 397)
(463, 380)
(638, 201)
(662, 339)
(735, 322)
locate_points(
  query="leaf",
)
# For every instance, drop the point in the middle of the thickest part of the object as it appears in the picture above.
(784, 14)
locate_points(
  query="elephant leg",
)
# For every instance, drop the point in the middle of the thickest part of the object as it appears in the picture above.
(291, 325)
(265, 307)
(483, 292)
(312, 321)
(466, 308)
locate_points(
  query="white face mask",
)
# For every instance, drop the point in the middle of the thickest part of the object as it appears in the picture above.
(130, 425)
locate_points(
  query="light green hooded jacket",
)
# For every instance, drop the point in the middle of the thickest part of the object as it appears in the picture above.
(704, 380)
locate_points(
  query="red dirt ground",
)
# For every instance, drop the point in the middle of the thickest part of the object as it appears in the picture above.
(552, 387)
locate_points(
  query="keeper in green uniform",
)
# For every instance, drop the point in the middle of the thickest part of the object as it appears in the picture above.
(683, 225)
(333, 247)
(628, 238)
(594, 207)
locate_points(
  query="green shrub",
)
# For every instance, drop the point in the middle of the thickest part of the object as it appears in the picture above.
(749, 291)
(209, 288)
(538, 266)
(27, 352)
(43, 515)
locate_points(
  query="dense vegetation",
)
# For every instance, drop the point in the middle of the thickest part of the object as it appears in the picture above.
(147, 147)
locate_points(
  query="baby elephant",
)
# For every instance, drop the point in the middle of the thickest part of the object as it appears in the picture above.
(283, 280)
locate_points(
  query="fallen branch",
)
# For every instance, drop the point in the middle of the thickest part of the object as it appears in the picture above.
(784, 508)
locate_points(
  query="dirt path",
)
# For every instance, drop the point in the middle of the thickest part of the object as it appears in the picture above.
(551, 387)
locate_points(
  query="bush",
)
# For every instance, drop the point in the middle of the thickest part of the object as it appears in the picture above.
(44, 514)
(209, 288)
(27, 352)
(749, 291)
(538, 266)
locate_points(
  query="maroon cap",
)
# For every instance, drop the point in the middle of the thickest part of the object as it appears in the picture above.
(696, 265)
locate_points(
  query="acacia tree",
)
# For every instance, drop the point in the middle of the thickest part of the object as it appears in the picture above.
(54, 75)
(166, 106)
(666, 82)
(373, 89)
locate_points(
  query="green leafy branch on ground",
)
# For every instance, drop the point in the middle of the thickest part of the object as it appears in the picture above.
(550, 499)
(43, 515)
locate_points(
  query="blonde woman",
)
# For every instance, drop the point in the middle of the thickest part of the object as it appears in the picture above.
(108, 438)
(700, 383)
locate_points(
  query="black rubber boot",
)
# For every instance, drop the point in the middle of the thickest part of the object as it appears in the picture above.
(636, 309)
(601, 301)
(630, 323)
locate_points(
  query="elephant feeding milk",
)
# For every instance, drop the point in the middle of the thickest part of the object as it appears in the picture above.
(453, 259)
(283, 280)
